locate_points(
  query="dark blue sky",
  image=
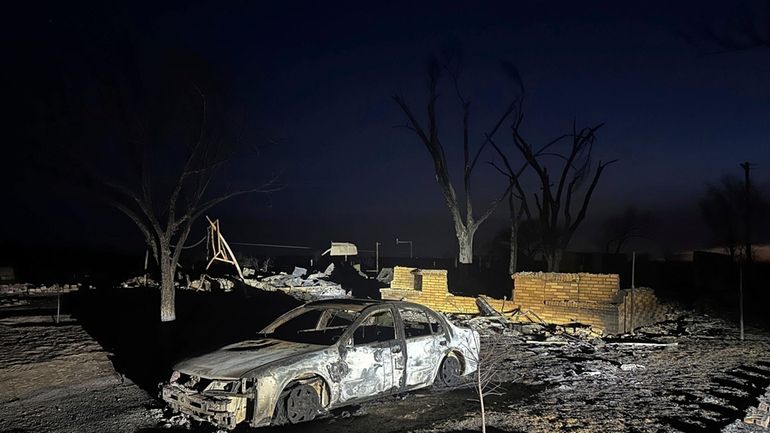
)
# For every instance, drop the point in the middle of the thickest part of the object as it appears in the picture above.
(314, 83)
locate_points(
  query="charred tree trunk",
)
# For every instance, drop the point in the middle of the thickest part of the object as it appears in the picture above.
(513, 262)
(514, 241)
(167, 294)
(465, 242)
(553, 259)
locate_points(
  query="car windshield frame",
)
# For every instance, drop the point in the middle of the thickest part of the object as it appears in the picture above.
(289, 327)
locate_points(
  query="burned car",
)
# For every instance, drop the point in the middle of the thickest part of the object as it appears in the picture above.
(321, 356)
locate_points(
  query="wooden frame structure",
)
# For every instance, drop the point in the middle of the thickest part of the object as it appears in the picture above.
(219, 248)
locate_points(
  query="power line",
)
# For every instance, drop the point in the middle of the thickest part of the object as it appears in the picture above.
(249, 244)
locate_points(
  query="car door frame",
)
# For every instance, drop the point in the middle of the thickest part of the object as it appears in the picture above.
(346, 342)
(443, 338)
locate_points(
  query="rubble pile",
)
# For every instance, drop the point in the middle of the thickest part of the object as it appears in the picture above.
(31, 289)
(207, 283)
(139, 281)
(758, 417)
(526, 325)
(312, 287)
(688, 373)
(12, 301)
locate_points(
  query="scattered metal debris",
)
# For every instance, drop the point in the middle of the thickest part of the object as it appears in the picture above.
(311, 288)
(32, 289)
(385, 276)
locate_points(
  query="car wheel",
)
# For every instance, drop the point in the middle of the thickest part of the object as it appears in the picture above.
(449, 374)
(301, 403)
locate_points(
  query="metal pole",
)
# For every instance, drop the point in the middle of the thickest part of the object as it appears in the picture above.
(377, 257)
(740, 295)
(58, 305)
(146, 258)
(633, 282)
(411, 249)
(747, 214)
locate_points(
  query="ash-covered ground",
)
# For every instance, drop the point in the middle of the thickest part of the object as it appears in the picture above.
(689, 374)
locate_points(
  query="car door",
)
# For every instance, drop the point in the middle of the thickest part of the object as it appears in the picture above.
(371, 356)
(425, 345)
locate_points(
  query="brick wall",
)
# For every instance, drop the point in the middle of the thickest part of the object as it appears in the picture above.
(646, 308)
(429, 287)
(592, 299)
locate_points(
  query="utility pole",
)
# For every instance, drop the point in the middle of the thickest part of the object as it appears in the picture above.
(411, 251)
(377, 257)
(633, 282)
(747, 214)
(740, 295)
(747, 223)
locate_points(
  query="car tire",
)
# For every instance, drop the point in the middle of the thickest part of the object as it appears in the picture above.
(450, 372)
(297, 404)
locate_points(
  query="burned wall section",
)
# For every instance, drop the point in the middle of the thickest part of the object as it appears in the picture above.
(561, 298)
(592, 299)
(429, 287)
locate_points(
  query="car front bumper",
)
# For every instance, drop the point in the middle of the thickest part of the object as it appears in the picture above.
(222, 411)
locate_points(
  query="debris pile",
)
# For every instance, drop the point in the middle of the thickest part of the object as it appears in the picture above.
(12, 301)
(139, 281)
(690, 372)
(31, 289)
(760, 415)
(526, 325)
(207, 283)
(312, 287)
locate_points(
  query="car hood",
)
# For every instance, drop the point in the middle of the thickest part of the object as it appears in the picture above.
(237, 359)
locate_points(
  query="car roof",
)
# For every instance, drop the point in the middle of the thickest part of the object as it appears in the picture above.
(355, 304)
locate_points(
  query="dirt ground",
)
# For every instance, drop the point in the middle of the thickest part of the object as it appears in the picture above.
(56, 378)
(699, 377)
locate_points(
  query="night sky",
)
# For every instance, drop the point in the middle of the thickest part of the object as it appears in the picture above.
(314, 83)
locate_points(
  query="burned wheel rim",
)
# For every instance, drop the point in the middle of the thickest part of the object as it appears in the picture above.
(301, 404)
(450, 371)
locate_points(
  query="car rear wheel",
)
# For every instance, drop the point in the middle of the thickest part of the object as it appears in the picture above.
(298, 404)
(450, 372)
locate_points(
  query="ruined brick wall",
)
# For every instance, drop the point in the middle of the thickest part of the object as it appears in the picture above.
(646, 308)
(566, 298)
(429, 287)
(592, 299)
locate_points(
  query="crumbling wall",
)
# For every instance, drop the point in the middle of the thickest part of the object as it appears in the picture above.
(429, 287)
(592, 299)
(561, 298)
(646, 308)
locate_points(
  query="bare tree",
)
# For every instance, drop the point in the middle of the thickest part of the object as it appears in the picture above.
(555, 201)
(490, 354)
(741, 26)
(466, 223)
(152, 146)
(723, 208)
(515, 196)
(629, 224)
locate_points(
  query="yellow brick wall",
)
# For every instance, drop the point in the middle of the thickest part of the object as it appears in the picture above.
(429, 287)
(569, 297)
(646, 309)
(592, 299)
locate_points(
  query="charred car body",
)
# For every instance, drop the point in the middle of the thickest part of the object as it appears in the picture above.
(320, 356)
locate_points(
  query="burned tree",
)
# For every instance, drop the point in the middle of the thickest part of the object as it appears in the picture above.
(555, 201)
(465, 223)
(723, 208)
(619, 229)
(515, 195)
(152, 143)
